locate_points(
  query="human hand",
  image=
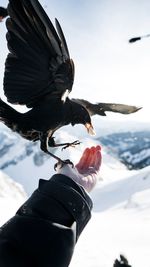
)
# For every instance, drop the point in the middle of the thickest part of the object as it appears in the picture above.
(86, 171)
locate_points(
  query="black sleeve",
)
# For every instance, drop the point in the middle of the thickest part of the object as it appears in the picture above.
(47, 226)
(60, 200)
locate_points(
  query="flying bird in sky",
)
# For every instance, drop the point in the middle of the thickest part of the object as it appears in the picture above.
(39, 73)
(123, 262)
(138, 38)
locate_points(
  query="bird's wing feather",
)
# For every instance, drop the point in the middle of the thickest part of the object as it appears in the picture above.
(101, 108)
(3, 12)
(64, 44)
(38, 62)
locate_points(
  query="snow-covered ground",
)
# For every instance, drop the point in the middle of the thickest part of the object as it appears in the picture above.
(120, 222)
(12, 195)
(121, 214)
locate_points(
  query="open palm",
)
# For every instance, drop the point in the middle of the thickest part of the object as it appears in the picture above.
(86, 170)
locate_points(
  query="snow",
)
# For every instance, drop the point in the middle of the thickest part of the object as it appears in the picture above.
(145, 153)
(119, 224)
(12, 195)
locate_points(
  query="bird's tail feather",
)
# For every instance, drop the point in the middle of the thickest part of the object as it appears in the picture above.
(9, 116)
(101, 108)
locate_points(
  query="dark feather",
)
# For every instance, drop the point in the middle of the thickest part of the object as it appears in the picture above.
(64, 44)
(3, 12)
(35, 65)
(101, 108)
(123, 262)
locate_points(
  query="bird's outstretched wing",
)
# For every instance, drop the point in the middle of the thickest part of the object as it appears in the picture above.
(39, 61)
(101, 108)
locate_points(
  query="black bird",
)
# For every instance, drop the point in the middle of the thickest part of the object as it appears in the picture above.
(39, 73)
(123, 262)
(3, 13)
(138, 38)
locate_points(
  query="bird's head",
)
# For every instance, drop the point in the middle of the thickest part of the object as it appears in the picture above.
(81, 116)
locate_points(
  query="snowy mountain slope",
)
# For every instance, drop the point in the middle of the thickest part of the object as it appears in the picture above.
(12, 196)
(129, 185)
(120, 222)
(132, 148)
(13, 149)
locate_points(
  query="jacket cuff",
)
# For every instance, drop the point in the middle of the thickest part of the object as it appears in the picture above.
(71, 195)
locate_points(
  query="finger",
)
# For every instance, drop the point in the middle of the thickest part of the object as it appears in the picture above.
(98, 147)
(89, 161)
(83, 159)
(84, 163)
(98, 161)
(92, 157)
(95, 163)
(97, 158)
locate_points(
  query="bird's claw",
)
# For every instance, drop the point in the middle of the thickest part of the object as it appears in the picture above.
(73, 144)
(62, 163)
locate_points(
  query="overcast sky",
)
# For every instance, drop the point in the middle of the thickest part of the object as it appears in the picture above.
(108, 68)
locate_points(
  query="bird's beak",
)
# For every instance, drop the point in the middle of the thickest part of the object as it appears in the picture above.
(90, 128)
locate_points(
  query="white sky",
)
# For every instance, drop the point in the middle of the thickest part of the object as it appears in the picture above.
(108, 68)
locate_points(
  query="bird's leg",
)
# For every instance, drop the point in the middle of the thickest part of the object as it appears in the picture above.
(52, 143)
(60, 163)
